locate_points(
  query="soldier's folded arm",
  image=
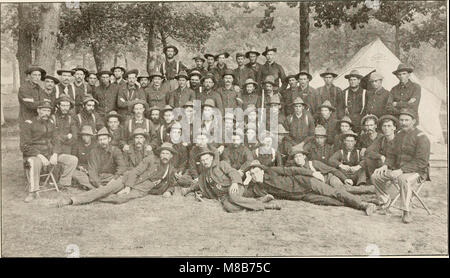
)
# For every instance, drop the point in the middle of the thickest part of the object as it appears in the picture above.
(325, 169)
(27, 99)
(121, 102)
(335, 159)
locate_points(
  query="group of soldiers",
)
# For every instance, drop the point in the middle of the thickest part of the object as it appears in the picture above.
(118, 135)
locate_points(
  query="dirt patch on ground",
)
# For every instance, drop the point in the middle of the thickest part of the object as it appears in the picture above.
(154, 226)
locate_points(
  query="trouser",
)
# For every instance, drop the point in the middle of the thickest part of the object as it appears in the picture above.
(83, 179)
(358, 177)
(383, 183)
(235, 202)
(335, 182)
(113, 186)
(67, 162)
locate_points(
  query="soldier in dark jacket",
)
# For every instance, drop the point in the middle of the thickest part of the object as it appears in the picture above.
(31, 94)
(328, 91)
(127, 94)
(64, 122)
(237, 154)
(250, 95)
(220, 68)
(242, 73)
(377, 97)
(370, 134)
(157, 92)
(297, 183)
(199, 65)
(82, 148)
(290, 93)
(139, 149)
(170, 68)
(49, 89)
(113, 123)
(88, 116)
(272, 68)
(252, 56)
(307, 93)
(180, 96)
(317, 146)
(41, 147)
(412, 149)
(106, 94)
(327, 118)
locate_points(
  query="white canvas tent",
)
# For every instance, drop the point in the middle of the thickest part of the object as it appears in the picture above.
(376, 56)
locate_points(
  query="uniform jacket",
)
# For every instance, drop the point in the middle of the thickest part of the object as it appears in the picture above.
(330, 125)
(179, 97)
(256, 68)
(318, 153)
(39, 137)
(242, 74)
(237, 156)
(299, 128)
(274, 69)
(171, 69)
(253, 98)
(230, 98)
(102, 161)
(157, 96)
(94, 120)
(212, 94)
(107, 98)
(64, 125)
(29, 95)
(365, 141)
(126, 94)
(377, 102)
(134, 156)
(309, 96)
(218, 73)
(331, 93)
(402, 94)
(82, 151)
(218, 178)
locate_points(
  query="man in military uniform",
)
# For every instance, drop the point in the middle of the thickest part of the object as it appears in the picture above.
(406, 94)
(345, 124)
(155, 121)
(137, 119)
(68, 89)
(129, 93)
(230, 97)
(308, 93)
(272, 68)
(237, 154)
(113, 123)
(199, 62)
(317, 147)
(250, 95)
(369, 123)
(220, 181)
(31, 94)
(326, 119)
(290, 93)
(91, 79)
(41, 147)
(377, 97)
(209, 92)
(210, 60)
(300, 124)
(88, 116)
(157, 92)
(194, 82)
(64, 123)
(82, 148)
(353, 100)
(164, 129)
(298, 183)
(328, 91)
(270, 89)
(81, 88)
(105, 163)
(274, 110)
(242, 73)
(220, 68)
(252, 56)
(144, 81)
(106, 94)
(49, 89)
(170, 68)
(181, 95)
(412, 149)
(139, 149)
(118, 73)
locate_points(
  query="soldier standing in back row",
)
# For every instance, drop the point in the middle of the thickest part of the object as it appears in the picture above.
(328, 91)
(30, 93)
(272, 68)
(353, 100)
(377, 96)
(171, 67)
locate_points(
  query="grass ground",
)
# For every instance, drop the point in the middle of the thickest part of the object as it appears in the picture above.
(154, 226)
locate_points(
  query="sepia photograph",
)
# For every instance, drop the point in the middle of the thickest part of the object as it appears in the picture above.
(224, 129)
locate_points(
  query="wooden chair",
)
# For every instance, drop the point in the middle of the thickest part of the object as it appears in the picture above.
(46, 174)
(415, 194)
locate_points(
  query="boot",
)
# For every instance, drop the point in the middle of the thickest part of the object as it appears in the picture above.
(30, 197)
(406, 218)
(369, 209)
(63, 201)
(267, 198)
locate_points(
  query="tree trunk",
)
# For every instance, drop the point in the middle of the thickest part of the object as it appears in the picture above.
(47, 44)
(126, 59)
(14, 74)
(84, 59)
(99, 57)
(151, 54)
(24, 40)
(303, 14)
(397, 40)
(116, 55)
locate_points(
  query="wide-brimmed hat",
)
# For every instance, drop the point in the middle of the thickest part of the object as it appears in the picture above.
(328, 71)
(182, 74)
(269, 79)
(408, 111)
(209, 55)
(113, 114)
(274, 49)
(388, 118)
(61, 71)
(349, 133)
(255, 164)
(374, 76)
(198, 57)
(224, 53)
(118, 67)
(403, 67)
(87, 130)
(252, 50)
(77, 68)
(89, 98)
(140, 131)
(155, 73)
(298, 149)
(102, 72)
(137, 101)
(346, 119)
(304, 72)
(64, 97)
(228, 72)
(320, 130)
(44, 104)
(203, 151)
(175, 49)
(209, 102)
(56, 80)
(250, 81)
(154, 107)
(167, 108)
(353, 73)
(274, 99)
(167, 146)
(133, 71)
(32, 68)
(142, 76)
(328, 105)
(289, 76)
(103, 131)
(299, 100)
(239, 54)
(369, 116)
(209, 75)
(195, 72)
(86, 78)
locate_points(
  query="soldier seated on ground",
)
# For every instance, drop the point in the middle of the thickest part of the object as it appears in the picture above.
(139, 149)
(345, 124)
(317, 146)
(266, 153)
(82, 149)
(113, 124)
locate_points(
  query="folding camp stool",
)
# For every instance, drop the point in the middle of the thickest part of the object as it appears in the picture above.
(415, 193)
(49, 179)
